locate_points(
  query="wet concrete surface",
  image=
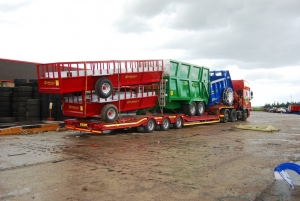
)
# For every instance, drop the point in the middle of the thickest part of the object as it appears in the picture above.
(204, 162)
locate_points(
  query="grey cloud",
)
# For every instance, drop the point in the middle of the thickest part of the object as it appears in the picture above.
(265, 33)
(13, 5)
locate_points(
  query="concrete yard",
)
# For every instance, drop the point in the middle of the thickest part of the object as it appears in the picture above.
(206, 162)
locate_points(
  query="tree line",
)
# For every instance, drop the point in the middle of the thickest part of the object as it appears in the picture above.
(277, 105)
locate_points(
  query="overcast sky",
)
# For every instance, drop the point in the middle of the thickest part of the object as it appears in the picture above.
(257, 40)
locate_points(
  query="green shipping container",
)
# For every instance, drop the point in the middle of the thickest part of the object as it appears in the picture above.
(185, 83)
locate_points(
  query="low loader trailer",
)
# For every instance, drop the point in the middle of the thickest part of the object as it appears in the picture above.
(163, 93)
(143, 123)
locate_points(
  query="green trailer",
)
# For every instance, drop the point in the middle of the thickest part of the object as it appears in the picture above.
(185, 87)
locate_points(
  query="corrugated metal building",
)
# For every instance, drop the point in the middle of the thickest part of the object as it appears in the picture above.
(13, 69)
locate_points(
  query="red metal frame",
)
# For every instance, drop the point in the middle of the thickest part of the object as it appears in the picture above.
(83, 105)
(128, 121)
(65, 77)
(243, 101)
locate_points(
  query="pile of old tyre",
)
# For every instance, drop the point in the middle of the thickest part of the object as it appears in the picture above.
(56, 101)
(24, 103)
(25, 107)
(5, 105)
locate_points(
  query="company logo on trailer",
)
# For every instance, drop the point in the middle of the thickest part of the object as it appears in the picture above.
(132, 101)
(130, 76)
(51, 83)
(73, 107)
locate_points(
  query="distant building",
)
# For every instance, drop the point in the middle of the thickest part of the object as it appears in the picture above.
(14, 69)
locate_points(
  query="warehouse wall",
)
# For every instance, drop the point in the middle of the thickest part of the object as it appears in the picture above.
(12, 69)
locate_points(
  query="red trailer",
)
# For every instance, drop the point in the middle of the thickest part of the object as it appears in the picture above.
(101, 76)
(143, 123)
(126, 98)
(294, 108)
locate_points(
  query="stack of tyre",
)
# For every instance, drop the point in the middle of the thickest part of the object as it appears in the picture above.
(25, 93)
(56, 102)
(25, 105)
(5, 105)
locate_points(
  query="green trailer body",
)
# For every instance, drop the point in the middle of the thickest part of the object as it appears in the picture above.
(184, 83)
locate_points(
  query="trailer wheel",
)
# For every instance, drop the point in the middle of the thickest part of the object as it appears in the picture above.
(200, 108)
(165, 124)
(149, 128)
(109, 113)
(228, 96)
(103, 87)
(178, 123)
(244, 115)
(232, 115)
(226, 116)
(189, 109)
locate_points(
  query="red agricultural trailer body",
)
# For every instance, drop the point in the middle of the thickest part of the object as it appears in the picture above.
(101, 76)
(293, 108)
(87, 103)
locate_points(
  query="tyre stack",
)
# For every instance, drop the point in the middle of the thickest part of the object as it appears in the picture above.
(20, 82)
(33, 110)
(5, 105)
(56, 112)
(24, 93)
(14, 103)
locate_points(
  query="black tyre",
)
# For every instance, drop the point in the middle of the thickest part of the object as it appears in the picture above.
(32, 119)
(149, 128)
(232, 115)
(23, 99)
(33, 102)
(5, 94)
(103, 87)
(25, 88)
(32, 114)
(165, 124)
(5, 98)
(109, 113)
(7, 119)
(5, 114)
(225, 118)
(21, 119)
(15, 89)
(178, 123)
(22, 104)
(189, 109)
(228, 96)
(33, 108)
(5, 89)
(25, 94)
(245, 115)
(5, 104)
(200, 108)
(20, 82)
(5, 108)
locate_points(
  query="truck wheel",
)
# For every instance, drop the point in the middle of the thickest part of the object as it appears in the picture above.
(165, 124)
(232, 115)
(228, 96)
(245, 115)
(200, 108)
(109, 113)
(189, 109)
(149, 128)
(226, 116)
(103, 87)
(178, 123)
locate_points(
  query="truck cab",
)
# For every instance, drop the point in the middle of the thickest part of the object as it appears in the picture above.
(242, 97)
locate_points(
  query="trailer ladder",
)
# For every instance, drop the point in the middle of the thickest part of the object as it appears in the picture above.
(162, 93)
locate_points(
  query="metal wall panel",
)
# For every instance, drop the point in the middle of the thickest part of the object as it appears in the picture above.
(11, 69)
